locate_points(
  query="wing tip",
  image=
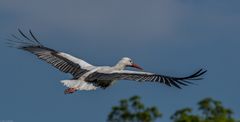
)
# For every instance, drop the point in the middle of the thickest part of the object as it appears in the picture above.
(185, 81)
(21, 43)
(29, 44)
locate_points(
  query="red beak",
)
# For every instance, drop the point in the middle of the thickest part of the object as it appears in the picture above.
(136, 66)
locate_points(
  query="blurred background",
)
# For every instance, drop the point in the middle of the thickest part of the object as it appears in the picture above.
(169, 37)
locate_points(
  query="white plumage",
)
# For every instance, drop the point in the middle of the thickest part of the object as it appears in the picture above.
(78, 84)
(89, 77)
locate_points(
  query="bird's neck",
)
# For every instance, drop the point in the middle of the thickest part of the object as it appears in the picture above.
(119, 66)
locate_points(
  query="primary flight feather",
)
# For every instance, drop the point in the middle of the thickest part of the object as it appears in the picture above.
(89, 77)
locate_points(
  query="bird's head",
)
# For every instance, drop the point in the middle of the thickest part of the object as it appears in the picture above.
(129, 63)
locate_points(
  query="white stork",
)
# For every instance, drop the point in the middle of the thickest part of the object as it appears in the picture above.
(89, 77)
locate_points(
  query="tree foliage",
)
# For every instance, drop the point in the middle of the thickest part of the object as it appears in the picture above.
(211, 111)
(133, 110)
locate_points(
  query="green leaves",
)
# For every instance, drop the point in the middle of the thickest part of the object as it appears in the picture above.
(133, 110)
(212, 111)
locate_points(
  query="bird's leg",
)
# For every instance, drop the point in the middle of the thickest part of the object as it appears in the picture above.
(69, 90)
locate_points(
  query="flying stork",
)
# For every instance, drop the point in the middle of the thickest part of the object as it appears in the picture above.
(89, 77)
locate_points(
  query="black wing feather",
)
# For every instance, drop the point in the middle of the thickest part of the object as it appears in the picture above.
(169, 81)
(47, 54)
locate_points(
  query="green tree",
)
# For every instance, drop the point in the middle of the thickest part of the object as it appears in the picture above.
(211, 111)
(133, 110)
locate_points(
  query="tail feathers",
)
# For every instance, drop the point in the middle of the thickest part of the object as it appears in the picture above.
(79, 85)
(69, 83)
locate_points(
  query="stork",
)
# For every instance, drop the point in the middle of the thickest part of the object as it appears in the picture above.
(90, 77)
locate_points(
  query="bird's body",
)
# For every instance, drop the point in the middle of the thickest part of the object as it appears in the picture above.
(88, 81)
(90, 77)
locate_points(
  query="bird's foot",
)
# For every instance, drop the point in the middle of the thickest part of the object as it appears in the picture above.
(69, 91)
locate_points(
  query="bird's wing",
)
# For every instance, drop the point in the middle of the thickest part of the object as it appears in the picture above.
(62, 61)
(146, 76)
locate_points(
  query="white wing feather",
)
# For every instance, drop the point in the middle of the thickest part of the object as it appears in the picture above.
(81, 62)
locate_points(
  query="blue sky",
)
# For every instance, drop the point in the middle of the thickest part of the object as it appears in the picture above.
(172, 37)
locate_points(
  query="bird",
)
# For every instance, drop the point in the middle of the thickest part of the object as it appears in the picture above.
(86, 76)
